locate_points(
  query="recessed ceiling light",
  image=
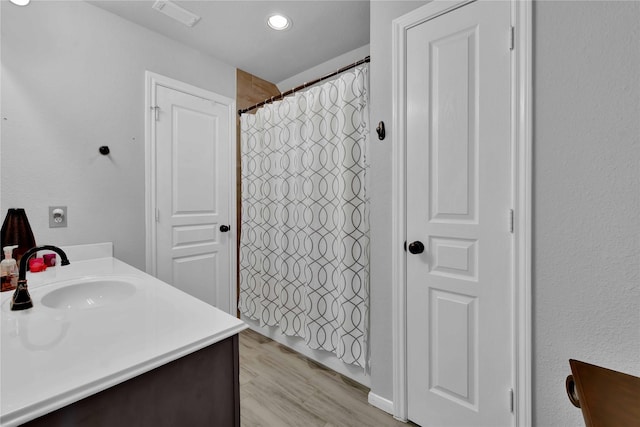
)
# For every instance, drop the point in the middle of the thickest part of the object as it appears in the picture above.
(279, 22)
(20, 2)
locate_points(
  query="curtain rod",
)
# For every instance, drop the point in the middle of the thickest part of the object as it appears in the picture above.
(305, 85)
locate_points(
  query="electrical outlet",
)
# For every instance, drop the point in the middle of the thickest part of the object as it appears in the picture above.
(57, 216)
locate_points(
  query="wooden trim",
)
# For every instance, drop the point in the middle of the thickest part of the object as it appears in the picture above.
(522, 20)
(149, 167)
(398, 221)
(234, 226)
(249, 90)
(380, 402)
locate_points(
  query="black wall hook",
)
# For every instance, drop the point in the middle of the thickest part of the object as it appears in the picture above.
(381, 131)
(104, 150)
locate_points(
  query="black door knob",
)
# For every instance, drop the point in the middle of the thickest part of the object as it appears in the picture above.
(224, 228)
(416, 247)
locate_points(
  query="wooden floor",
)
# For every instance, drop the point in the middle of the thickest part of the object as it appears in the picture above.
(279, 388)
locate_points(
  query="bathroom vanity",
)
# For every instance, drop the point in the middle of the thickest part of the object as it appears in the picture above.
(106, 344)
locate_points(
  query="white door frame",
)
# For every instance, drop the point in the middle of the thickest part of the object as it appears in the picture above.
(521, 136)
(152, 81)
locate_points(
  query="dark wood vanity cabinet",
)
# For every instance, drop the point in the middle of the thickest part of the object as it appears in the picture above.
(200, 389)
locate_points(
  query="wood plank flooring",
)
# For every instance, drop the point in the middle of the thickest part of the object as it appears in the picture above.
(279, 387)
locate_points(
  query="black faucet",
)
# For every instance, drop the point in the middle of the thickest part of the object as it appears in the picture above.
(21, 299)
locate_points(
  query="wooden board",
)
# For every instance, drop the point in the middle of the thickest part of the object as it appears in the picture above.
(607, 398)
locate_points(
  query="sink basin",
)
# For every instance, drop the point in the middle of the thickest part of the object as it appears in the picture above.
(89, 293)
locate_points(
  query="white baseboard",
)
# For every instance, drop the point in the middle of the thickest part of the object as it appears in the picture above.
(380, 402)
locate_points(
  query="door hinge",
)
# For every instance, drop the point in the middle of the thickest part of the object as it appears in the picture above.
(512, 402)
(157, 215)
(511, 221)
(512, 38)
(156, 112)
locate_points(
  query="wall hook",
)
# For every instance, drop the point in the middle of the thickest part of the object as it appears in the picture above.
(104, 150)
(381, 131)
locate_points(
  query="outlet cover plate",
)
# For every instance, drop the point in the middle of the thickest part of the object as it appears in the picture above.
(57, 221)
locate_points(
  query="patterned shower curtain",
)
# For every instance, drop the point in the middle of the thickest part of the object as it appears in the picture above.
(304, 249)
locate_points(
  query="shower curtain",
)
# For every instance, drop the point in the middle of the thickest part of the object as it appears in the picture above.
(304, 248)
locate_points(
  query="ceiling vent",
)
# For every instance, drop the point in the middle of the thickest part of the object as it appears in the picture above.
(176, 12)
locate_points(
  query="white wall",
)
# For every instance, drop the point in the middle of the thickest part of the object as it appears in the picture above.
(382, 13)
(324, 68)
(586, 284)
(73, 80)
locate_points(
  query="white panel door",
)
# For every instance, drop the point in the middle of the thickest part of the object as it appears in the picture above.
(192, 186)
(459, 285)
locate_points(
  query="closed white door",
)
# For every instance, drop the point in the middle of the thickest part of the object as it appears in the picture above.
(194, 242)
(459, 260)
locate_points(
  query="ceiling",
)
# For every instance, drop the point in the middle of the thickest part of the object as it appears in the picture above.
(236, 32)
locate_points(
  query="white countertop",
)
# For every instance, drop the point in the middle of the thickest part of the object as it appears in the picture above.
(51, 357)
